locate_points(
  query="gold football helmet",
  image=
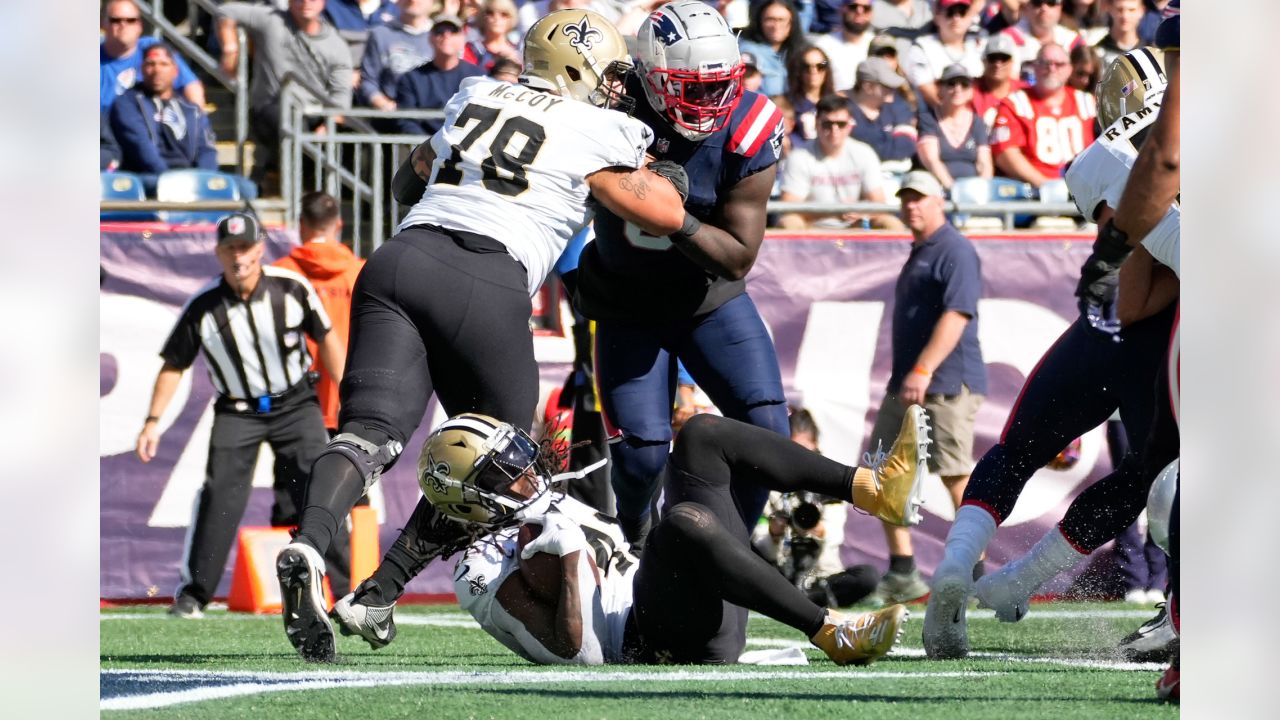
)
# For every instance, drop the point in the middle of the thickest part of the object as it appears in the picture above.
(468, 465)
(579, 54)
(1132, 81)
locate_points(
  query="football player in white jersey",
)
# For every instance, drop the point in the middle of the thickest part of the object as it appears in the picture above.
(1095, 361)
(555, 581)
(444, 305)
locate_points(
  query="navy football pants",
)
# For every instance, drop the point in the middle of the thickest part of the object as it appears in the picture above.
(731, 357)
(1077, 385)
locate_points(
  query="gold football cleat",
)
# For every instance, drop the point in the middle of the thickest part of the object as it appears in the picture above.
(863, 638)
(899, 475)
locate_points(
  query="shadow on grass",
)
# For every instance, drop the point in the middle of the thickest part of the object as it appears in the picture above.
(948, 698)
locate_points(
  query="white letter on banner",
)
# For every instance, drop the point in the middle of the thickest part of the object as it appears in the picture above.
(833, 372)
(132, 332)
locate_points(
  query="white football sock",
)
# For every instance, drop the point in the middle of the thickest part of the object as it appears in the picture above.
(968, 538)
(1050, 556)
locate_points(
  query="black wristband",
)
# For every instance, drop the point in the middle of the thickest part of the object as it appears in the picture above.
(686, 232)
(151, 418)
(1112, 244)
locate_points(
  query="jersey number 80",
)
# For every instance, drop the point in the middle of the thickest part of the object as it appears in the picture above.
(512, 181)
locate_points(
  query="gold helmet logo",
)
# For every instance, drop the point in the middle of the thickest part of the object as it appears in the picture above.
(581, 35)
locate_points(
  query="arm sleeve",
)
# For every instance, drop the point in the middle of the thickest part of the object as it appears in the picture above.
(250, 15)
(370, 70)
(138, 153)
(183, 343)
(796, 173)
(1008, 131)
(962, 275)
(407, 98)
(916, 66)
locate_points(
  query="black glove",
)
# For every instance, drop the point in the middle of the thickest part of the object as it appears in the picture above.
(1112, 245)
(1098, 282)
(673, 172)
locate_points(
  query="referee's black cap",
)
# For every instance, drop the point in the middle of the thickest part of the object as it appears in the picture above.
(239, 226)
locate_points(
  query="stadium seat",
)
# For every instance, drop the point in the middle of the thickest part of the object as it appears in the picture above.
(194, 186)
(1006, 189)
(123, 186)
(1055, 191)
(971, 191)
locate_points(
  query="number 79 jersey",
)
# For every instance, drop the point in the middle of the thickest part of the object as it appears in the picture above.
(511, 163)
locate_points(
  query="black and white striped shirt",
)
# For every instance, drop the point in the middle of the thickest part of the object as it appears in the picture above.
(253, 347)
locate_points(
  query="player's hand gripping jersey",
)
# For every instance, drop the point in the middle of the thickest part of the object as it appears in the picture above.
(621, 268)
(1101, 172)
(511, 163)
(487, 563)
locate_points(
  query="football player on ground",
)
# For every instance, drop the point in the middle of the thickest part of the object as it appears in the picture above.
(1110, 357)
(656, 297)
(444, 305)
(555, 581)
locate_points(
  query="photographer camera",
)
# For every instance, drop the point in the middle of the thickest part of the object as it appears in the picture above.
(804, 534)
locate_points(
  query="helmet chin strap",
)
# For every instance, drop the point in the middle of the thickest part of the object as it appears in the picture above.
(562, 478)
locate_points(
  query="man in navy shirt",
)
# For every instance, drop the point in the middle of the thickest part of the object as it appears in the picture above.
(431, 84)
(937, 361)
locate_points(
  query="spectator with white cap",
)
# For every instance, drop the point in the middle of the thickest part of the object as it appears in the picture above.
(882, 119)
(953, 139)
(931, 53)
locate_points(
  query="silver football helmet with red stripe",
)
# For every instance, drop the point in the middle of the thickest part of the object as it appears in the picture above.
(688, 61)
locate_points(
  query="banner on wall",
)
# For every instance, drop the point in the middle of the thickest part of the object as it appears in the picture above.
(827, 302)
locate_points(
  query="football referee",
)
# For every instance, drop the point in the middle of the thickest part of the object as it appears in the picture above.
(250, 324)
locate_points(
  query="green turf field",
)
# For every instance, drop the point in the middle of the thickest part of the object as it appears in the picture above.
(1057, 663)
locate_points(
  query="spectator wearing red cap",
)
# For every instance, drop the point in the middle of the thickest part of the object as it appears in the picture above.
(1040, 129)
(932, 53)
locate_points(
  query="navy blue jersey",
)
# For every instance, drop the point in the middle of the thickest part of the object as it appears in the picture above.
(621, 269)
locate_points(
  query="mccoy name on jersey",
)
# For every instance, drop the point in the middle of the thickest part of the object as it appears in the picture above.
(487, 563)
(618, 270)
(512, 162)
(1101, 173)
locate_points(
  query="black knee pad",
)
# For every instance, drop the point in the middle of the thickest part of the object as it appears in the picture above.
(369, 459)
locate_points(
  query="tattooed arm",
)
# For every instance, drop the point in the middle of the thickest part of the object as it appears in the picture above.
(411, 178)
(642, 198)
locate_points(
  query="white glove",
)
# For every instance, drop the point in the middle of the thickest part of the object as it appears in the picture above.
(560, 536)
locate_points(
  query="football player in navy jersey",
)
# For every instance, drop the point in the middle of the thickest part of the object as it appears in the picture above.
(1091, 370)
(728, 140)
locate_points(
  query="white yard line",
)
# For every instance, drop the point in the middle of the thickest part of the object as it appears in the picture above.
(252, 683)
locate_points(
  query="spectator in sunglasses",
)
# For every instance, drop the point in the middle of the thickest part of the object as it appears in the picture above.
(850, 44)
(1041, 23)
(953, 139)
(808, 81)
(932, 53)
(120, 56)
(835, 169)
(999, 77)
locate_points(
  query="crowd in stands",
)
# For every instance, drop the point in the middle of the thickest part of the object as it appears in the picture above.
(982, 89)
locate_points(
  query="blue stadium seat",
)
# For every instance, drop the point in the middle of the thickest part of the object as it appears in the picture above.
(1055, 191)
(971, 191)
(194, 186)
(123, 186)
(1010, 189)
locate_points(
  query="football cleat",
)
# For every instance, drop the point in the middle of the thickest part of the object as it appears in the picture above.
(374, 623)
(1153, 641)
(863, 638)
(300, 570)
(187, 608)
(1168, 686)
(1002, 592)
(946, 624)
(899, 475)
(900, 587)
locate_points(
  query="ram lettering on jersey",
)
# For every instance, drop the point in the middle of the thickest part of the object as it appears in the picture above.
(532, 98)
(1128, 121)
